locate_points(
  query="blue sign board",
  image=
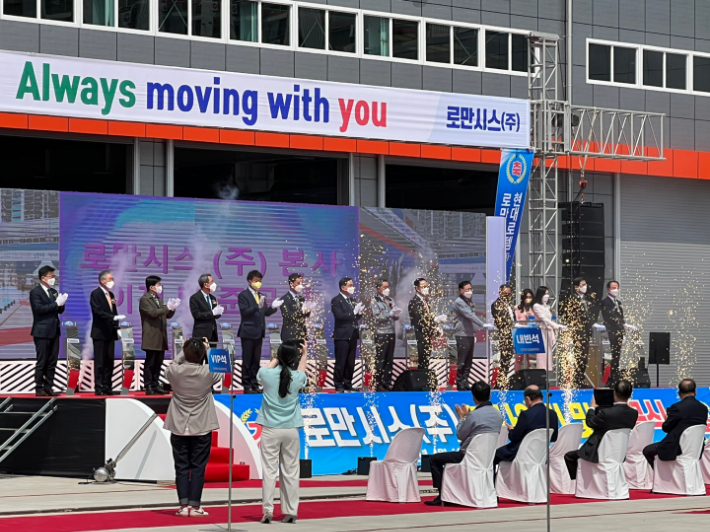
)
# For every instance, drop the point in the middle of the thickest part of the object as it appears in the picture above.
(219, 361)
(528, 341)
(513, 178)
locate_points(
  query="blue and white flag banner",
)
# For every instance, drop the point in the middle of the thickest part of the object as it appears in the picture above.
(513, 178)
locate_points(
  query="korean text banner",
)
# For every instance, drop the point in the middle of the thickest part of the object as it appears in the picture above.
(109, 90)
(342, 428)
(528, 341)
(513, 178)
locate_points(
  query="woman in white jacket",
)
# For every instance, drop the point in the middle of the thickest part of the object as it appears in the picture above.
(543, 316)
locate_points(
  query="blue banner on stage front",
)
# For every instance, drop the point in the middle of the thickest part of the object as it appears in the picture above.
(342, 427)
(513, 178)
(218, 360)
(528, 341)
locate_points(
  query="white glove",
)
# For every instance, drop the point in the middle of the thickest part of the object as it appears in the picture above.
(598, 326)
(276, 303)
(61, 299)
(119, 317)
(441, 318)
(562, 328)
(306, 308)
(174, 303)
(631, 328)
(396, 311)
(218, 310)
(359, 308)
(488, 326)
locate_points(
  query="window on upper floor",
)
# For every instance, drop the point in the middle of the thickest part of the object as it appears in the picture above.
(376, 36)
(275, 24)
(199, 18)
(506, 51)
(665, 70)
(466, 46)
(615, 64)
(405, 39)
(57, 10)
(701, 73)
(244, 21)
(342, 31)
(311, 28)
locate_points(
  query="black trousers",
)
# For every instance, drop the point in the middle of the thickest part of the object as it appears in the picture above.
(571, 459)
(152, 367)
(507, 351)
(384, 349)
(47, 354)
(345, 351)
(650, 452)
(251, 360)
(190, 454)
(581, 357)
(439, 460)
(615, 340)
(103, 364)
(423, 348)
(465, 346)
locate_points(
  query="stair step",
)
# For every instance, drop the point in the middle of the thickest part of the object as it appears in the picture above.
(220, 472)
(220, 455)
(215, 438)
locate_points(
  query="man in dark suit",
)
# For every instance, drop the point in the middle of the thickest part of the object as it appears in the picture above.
(205, 310)
(346, 312)
(615, 324)
(423, 321)
(602, 420)
(529, 420)
(688, 412)
(295, 310)
(577, 314)
(104, 332)
(504, 320)
(47, 304)
(252, 329)
(154, 332)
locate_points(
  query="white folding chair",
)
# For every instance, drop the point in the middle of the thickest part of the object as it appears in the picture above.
(568, 439)
(470, 483)
(394, 479)
(503, 436)
(524, 479)
(605, 480)
(705, 463)
(638, 471)
(682, 476)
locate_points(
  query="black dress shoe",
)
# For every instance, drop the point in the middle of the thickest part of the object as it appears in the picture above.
(160, 390)
(151, 391)
(41, 393)
(52, 393)
(436, 502)
(108, 392)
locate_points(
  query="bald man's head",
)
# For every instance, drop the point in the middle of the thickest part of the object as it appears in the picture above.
(532, 395)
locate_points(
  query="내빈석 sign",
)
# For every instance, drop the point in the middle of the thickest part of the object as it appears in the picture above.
(111, 90)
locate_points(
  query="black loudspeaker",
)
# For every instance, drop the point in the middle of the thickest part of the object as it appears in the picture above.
(642, 378)
(582, 226)
(659, 350)
(525, 377)
(415, 380)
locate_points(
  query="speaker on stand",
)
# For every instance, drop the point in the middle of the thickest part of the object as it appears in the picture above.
(659, 352)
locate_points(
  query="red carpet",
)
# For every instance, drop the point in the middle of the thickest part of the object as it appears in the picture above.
(304, 484)
(82, 522)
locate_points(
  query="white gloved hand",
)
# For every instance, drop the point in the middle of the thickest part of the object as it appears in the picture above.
(61, 299)
(488, 326)
(276, 303)
(359, 308)
(218, 310)
(306, 307)
(396, 311)
(630, 328)
(441, 318)
(119, 317)
(562, 328)
(174, 303)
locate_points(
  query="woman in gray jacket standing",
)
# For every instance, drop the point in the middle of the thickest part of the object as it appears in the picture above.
(191, 419)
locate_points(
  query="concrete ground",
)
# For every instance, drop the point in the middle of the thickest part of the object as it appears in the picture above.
(33, 495)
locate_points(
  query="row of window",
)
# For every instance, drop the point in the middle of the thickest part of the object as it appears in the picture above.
(272, 24)
(644, 67)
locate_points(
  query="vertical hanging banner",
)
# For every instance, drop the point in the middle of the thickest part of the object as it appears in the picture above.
(513, 178)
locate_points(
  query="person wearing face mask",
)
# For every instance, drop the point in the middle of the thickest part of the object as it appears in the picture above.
(524, 311)
(613, 315)
(347, 313)
(205, 310)
(504, 320)
(295, 310)
(384, 313)
(155, 314)
(466, 323)
(47, 304)
(104, 332)
(576, 313)
(543, 316)
(423, 320)
(254, 309)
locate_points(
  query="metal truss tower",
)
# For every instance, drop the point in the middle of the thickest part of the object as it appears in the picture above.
(560, 129)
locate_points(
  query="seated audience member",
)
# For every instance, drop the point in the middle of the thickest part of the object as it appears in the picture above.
(485, 418)
(529, 420)
(602, 420)
(688, 412)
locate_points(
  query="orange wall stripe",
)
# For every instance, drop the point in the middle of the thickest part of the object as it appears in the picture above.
(703, 165)
(272, 140)
(126, 129)
(200, 134)
(49, 123)
(375, 147)
(403, 149)
(430, 151)
(13, 121)
(469, 155)
(163, 132)
(685, 164)
(82, 125)
(490, 156)
(231, 136)
(305, 142)
(339, 144)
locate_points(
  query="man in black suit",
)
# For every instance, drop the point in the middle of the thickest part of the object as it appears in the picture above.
(205, 310)
(346, 312)
(294, 310)
(615, 324)
(504, 320)
(529, 420)
(252, 329)
(104, 332)
(47, 304)
(423, 321)
(688, 412)
(577, 314)
(602, 420)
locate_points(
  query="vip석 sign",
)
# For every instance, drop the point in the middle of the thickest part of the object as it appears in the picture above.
(90, 88)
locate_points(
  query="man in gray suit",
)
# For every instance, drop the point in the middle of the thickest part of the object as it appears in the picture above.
(384, 313)
(466, 323)
(484, 419)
